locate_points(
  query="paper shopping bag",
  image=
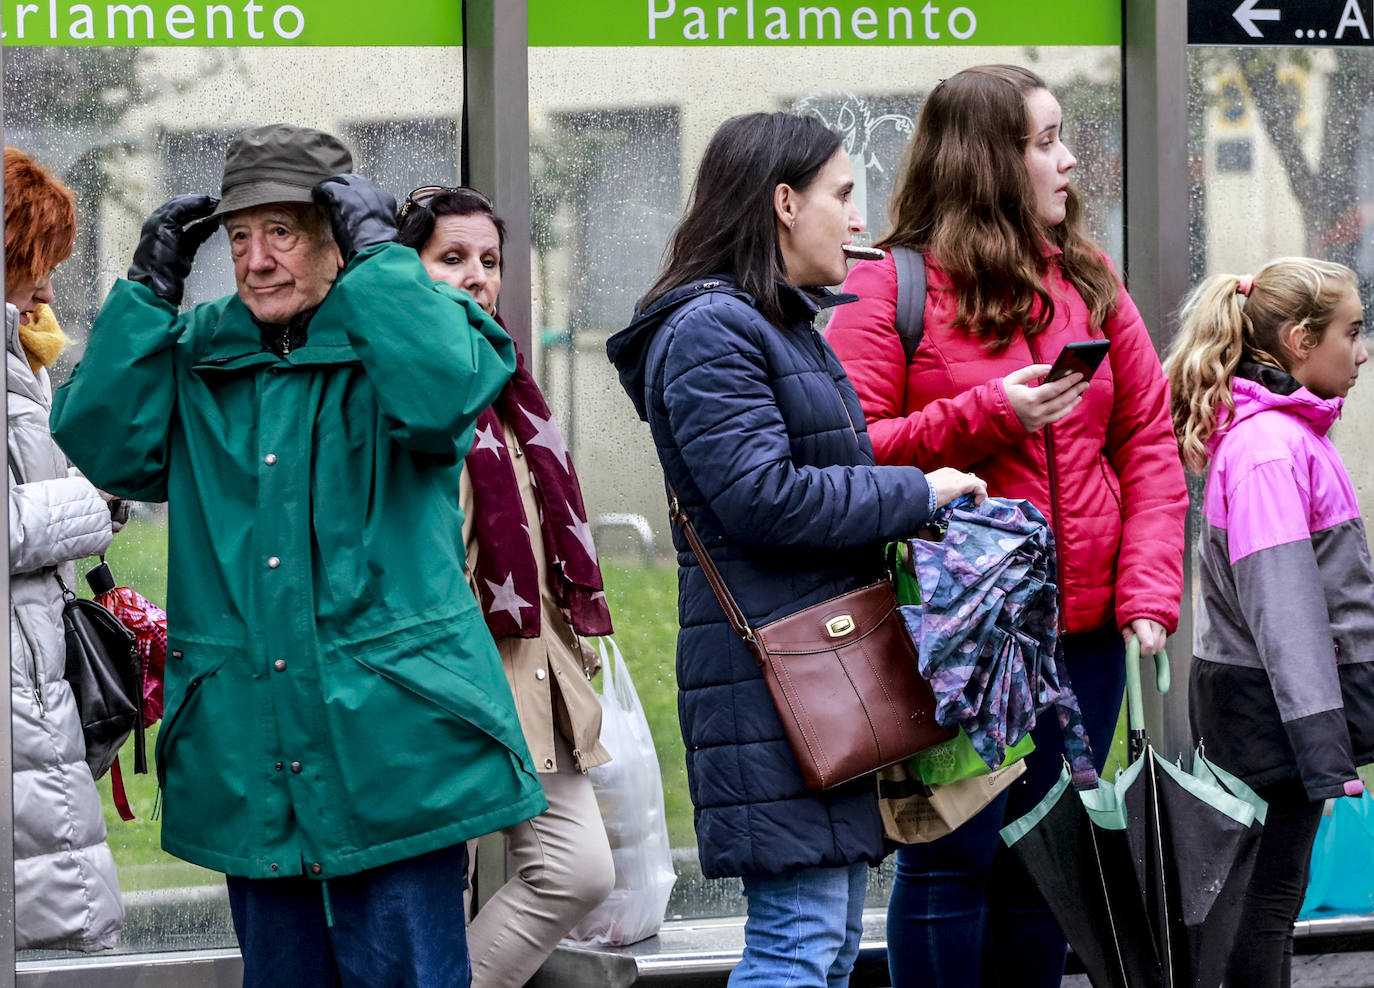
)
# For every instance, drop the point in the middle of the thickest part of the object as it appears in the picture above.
(914, 813)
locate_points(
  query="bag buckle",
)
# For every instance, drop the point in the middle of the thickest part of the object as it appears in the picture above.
(838, 627)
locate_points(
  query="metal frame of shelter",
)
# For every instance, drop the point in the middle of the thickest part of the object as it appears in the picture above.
(496, 61)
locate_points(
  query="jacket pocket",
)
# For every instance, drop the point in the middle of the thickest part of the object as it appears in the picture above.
(1110, 478)
(30, 651)
(177, 717)
(423, 721)
(210, 756)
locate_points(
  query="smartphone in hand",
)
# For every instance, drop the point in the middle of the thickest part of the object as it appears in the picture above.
(1080, 357)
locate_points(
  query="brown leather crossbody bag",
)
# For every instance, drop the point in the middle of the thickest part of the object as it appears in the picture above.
(843, 675)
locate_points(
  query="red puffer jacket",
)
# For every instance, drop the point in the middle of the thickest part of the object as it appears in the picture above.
(1107, 475)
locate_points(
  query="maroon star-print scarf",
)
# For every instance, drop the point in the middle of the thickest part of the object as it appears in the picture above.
(507, 574)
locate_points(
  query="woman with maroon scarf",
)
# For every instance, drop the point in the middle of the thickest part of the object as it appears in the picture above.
(531, 561)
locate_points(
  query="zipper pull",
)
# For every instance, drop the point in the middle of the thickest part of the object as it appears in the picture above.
(38, 698)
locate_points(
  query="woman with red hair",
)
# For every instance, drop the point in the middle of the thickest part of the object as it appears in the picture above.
(66, 893)
(40, 227)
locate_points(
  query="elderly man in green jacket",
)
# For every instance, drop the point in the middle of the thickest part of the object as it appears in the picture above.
(338, 722)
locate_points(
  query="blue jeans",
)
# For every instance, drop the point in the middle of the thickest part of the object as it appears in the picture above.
(397, 926)
(803, 928)
(963, 912)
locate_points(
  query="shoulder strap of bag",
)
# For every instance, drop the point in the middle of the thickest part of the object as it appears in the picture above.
(911, 298)
(733, 614)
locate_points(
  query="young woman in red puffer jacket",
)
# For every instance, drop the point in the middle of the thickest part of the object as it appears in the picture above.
(1013, 276)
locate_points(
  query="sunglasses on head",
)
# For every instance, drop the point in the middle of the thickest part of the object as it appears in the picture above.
(421, 197)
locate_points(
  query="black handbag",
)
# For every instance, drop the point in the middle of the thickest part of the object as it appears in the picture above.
(106, 679)
(104, 672)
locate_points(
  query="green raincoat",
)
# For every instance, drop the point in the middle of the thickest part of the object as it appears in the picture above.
(334, 701)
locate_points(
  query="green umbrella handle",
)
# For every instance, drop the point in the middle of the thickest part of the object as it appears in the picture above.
(1135, 706)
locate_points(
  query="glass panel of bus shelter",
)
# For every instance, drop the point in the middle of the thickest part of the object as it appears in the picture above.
(1281, 132)
(126, 127)
(622, 104)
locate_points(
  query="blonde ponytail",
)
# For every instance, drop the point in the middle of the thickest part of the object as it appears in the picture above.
(1201, 363)
(1223, 324)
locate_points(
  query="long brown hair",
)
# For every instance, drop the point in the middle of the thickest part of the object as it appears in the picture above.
(730, 227)
(965, 198)
(1221, 327)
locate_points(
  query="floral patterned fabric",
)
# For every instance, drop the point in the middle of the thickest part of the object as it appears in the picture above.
(988, 630)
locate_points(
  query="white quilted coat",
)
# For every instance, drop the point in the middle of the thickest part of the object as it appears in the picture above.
(66, 891)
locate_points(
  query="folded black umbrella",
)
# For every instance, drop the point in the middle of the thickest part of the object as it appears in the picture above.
(1145, 874)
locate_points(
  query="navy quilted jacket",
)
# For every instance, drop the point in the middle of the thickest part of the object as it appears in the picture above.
(762, 436)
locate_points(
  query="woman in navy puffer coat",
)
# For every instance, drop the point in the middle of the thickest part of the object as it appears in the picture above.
(762, 437)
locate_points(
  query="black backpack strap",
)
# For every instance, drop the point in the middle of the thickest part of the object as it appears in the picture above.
(911, 298)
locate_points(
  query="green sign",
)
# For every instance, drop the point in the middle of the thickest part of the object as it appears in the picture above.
(235, 23)
(596, 23)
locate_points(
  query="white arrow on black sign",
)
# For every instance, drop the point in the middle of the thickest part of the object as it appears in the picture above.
(1246, 15)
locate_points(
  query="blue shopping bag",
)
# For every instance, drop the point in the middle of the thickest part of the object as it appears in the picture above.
(1342, 876)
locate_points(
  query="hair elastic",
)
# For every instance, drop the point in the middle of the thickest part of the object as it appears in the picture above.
(1245, 284)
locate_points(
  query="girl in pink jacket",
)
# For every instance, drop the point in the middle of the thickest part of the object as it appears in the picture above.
(1282, 684)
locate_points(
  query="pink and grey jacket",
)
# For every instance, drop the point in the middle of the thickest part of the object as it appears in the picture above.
(1282, 683)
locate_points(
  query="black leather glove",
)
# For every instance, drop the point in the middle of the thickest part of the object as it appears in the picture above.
(362, 214)
(166, 246)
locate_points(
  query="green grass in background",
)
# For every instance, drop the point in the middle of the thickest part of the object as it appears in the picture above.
(138, 559)
(643, 603)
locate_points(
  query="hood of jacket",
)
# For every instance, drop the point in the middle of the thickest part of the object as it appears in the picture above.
(12, 331)
(628, 349)
(19, 377)
(1258, 389)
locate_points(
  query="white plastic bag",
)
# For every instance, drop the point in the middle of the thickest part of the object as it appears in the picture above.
(629, 792)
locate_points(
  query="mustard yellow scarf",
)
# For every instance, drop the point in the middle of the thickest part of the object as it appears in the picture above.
(42, 338)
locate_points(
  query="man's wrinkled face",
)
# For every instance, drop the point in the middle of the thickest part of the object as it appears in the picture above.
(283, 263)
